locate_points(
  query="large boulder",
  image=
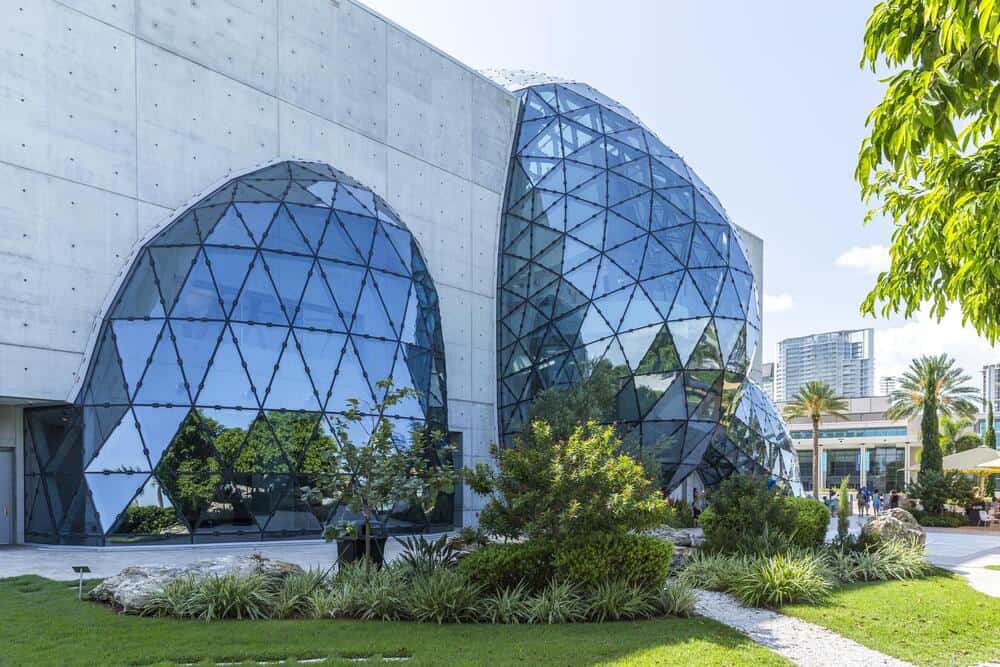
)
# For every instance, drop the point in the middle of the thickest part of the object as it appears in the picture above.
(895, 524)
(130, 589)
(681, 537)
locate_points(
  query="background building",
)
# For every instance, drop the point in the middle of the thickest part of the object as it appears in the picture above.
(867, 447)
(886, 385)
(121, 116)
(991, 386)
(767, 379)
(842, 359)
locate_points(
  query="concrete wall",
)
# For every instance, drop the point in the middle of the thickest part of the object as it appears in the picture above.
(754, 245)
(117, 113)
(12, 437)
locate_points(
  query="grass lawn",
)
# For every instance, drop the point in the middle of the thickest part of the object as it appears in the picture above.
(42, 623)
(993, 567)
(939, 620)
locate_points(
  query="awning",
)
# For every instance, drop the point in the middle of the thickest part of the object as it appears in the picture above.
(968, 461)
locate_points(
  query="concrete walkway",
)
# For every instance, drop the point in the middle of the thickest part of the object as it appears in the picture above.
(803, 643)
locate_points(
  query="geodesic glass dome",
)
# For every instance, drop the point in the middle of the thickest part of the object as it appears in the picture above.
(241, 329)
(613, 252)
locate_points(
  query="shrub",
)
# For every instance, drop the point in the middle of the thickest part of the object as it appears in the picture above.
(444, 596)
(500, 566)
(382, 596)
(174, 599)
(231, 596)
(714, 572)
(780, 579)
(747, 516)
(559, 602)
(680, 515)
(591, 560)
(618, 599)
(294, 595)
(551, 487)
(422, 557)
(509, 605)
(935, 489)
(943, 520)
(675, 598)
(811, 521)
(147, 519)
(901, 559)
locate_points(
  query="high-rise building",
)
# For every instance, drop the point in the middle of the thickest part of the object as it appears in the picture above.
(991, 386)
(842, 359)
(887, 384)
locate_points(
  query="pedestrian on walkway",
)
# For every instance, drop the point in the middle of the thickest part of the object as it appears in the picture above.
(876, 502)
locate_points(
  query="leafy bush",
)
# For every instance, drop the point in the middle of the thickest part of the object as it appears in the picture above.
(147, 519)
(591, 560)
(745, 515)
(935, 489)
(500, 566)
(943, 520)
(781, 579)
(559, 602)
(231, 596)
(423, 557)
(509, 605)
(811, 521)
(900, 559)
(294, 595)
(675, 599)
(382, 596)
(714, 572)
(174, 599)
(443, 596)
(680, 515)
(550, 487)
(618, 599)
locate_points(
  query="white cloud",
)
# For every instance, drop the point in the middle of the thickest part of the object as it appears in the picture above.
(778, 303)
(871, 259)
(896, 346)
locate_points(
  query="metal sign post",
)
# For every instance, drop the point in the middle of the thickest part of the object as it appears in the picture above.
(81, 570)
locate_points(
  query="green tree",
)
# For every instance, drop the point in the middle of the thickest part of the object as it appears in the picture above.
(816, 400)
(932, 386)
(558, 488)
(990, 440)
(843, 511)
(956, 434)
(931, 159)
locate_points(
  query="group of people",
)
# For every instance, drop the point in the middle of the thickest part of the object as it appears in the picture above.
(870, 501)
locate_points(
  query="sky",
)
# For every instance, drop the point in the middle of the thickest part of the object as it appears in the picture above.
(765, 100)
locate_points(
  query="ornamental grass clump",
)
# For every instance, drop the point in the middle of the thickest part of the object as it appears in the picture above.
(174, 599)
(444, 596)
(618, 599)
(780, 579)
(294, 598)
(714, 572)
(675, 598)
(559, 602)
(508, 606)
(232, 596)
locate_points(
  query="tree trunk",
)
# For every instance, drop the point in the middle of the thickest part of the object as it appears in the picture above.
(815, 458)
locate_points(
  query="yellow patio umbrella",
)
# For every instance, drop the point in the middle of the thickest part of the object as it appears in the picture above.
(988, 468)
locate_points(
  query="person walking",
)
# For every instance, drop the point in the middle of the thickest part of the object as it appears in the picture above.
(876, 502)
(861, 502)
(866, 499)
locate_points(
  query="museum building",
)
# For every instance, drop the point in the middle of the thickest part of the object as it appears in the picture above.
(223, 223)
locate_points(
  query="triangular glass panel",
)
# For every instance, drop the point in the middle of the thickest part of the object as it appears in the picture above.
(595, 190)
(729, 332)
(229, 268)
(594, 327)
(590, 232)
(650, 389)
(140, 297)
(620, 153)
(195, 341)
(257, 301)
(135, 340)
(592, 154)
(663, 214)
(737, 256)
(662, 355)
(228, 430)
(688, 302)
(575, 136)
(535, 107)
(577, 173)
(321, 352)
(317, 308)
(547, 143)
(112, 494)
(706, 354)
(157, 427)
(263, 190)
(322, 190)
(345, 282)
(299, 195)
(230, 231)
(349, 383)
(636, 344)
(384, 256)
(575, 253)
(226, 381)
(289, 274)
(198, 298)
(172, 266)
(291, 388)
(658, 260)
(677, 240)
(530, 129)
(376, 360)
(122, 451)
(257, 218)
(621, 189)
(149, 517)
(370, 317)
(284, 235)
(703, 252)
(705, 211)
(182, 231)
(163, 382)
(226, 511)
(394, 291)
(640, 312)
(613, 306)
(686, 334)
(682, 198)
(729, 303)
(664, 177)
(260, 347)
(311, 221)
(709, 282)
(354, 201)
(337, 244)
(629, 256)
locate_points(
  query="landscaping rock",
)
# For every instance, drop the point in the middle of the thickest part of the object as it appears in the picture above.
(895, 524)
(681, 537)
(130, 589)
(680, 557)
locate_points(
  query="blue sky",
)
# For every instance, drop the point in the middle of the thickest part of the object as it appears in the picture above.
(765, 100)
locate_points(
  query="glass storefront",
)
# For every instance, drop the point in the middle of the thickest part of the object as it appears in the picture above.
(842, 463)
(886, 468)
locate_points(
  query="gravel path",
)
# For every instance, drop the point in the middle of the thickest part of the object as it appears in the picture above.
(803, 643)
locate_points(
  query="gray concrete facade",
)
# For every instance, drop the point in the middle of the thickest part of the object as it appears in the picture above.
(117, 114)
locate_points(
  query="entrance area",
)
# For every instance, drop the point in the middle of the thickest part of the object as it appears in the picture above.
(7, 508)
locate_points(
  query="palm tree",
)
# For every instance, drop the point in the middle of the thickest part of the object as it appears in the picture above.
(816, 400)
(933, 386)
(956, 434)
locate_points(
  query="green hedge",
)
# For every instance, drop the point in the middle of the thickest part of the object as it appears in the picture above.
(945, 520)
(812, 519)
(601, 557)
(504, 566)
